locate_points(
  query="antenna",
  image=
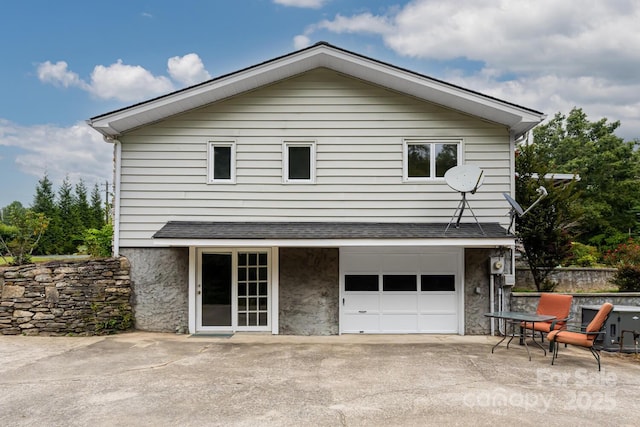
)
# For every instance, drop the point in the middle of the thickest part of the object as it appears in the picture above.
(464, 179)
(516, 209)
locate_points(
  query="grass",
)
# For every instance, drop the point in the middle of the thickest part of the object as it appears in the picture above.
(43, 258)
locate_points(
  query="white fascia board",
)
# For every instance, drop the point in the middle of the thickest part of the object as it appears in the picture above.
(336, 243)
(404, 81)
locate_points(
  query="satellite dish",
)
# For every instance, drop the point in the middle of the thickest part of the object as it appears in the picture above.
(516, 209)
(514, 205)
(464, 179)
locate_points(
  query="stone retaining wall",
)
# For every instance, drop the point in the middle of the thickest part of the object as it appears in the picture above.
(528, 301)
(66, 297)
(571, 279)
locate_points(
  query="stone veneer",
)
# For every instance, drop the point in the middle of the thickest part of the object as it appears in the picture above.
(160, 283)
(309, 291)
(477, 296)
(65, 297)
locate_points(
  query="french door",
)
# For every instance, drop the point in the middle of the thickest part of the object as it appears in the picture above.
(233, 290)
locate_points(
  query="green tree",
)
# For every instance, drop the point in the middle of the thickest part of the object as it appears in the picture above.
(20, 238)
(96, 209)
(545, 232)
(609, 170)
(44, 202)
(71, 228)
(81, 207)
(8, 210)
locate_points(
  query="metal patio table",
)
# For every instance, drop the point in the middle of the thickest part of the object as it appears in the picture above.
(516, 317)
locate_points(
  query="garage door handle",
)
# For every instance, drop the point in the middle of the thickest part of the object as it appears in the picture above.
(362, 311)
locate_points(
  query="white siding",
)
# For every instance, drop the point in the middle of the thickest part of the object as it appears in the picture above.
(358, 129)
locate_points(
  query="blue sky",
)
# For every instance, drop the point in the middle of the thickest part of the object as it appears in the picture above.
(66, 61)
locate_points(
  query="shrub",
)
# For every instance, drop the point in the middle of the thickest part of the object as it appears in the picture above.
(627, 253)
(99, 242)
(627, 278)
(20, 238)
(583, 255)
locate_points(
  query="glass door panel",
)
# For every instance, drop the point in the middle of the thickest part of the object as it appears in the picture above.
(253, 286)
(215, 300)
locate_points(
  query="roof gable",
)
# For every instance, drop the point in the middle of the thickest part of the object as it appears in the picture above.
(518, 119)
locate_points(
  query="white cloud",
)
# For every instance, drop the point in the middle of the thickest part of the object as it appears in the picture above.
(187, 69)
(127, 83)
(520, 36)
(76, 151)
(363, 23)
(311, 4)
(301, 41)
(58, 75)
(546, 54)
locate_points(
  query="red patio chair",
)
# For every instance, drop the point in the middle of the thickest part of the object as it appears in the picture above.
(558, 305)
(583, 338)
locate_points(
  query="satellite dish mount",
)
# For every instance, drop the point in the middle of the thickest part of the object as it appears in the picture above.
(516, 209)
(464, 179)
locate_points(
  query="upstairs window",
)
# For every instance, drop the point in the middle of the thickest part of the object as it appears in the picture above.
(428, 160)
(222, 159)
(299, 162)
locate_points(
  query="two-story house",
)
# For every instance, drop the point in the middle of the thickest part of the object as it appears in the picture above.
(306, 195)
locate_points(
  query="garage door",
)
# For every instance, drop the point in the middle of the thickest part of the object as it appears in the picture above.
(400, 290)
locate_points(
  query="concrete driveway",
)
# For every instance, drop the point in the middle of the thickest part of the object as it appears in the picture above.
(149, 379)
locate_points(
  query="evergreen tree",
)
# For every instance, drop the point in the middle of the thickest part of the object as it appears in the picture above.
(69, 221)
(81, 206)
(44, 202)
(97, 212)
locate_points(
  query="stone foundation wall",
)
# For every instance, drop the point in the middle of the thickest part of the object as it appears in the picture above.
(160, 284)
(477, 295)
(309, 291)
(62, 297)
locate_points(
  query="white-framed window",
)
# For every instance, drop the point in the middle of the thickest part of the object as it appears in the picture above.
(299, 162)
(221, 162)
(429, 159)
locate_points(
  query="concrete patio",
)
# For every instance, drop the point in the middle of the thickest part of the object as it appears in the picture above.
(153, 379)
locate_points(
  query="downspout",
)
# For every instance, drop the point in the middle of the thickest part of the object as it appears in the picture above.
(512, 192)
(117, 166)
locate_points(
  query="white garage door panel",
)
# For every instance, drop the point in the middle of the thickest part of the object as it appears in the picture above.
(402, 311)
(405, 303)
(443, 262)
(361, 323)
(399, 263)
(361, 262)
(430, 303)
(439, 323)
(360, 301)
(398, 324)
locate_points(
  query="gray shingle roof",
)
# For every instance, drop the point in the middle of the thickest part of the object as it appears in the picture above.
(324, 230)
